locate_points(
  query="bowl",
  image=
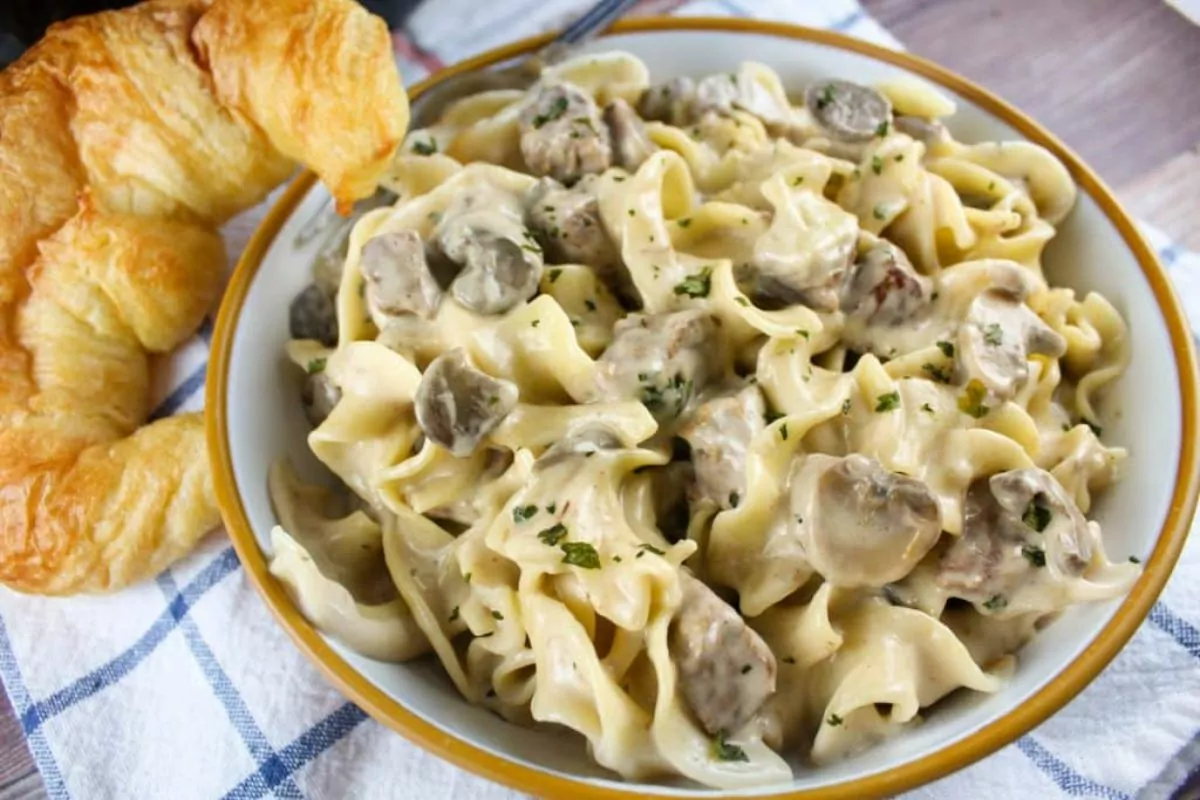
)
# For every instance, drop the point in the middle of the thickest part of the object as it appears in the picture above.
(253, 419)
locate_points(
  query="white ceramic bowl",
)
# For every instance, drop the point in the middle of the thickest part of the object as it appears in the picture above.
(254, 418)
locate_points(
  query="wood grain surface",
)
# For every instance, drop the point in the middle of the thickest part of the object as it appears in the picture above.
(1117, 80)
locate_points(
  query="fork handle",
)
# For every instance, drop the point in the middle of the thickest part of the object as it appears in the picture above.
(590, 23)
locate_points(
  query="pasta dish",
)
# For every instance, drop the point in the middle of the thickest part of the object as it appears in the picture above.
(727, 430)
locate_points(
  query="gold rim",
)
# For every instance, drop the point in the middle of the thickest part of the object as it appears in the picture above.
(1064, 686)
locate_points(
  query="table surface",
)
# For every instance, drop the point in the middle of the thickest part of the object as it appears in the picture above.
(1122, 89)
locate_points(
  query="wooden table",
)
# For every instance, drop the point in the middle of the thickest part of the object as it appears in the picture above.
(1118, 80)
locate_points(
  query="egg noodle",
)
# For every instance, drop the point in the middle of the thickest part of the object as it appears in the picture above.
(730, 437)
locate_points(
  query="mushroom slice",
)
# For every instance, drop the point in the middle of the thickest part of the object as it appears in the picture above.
(719, 432)
(319, 395)
(484, 232)
(567, 222)
(562, 135)
(398, 278)
(457, 405)
(726, 670)
(849, 112)
(313, 315)
(999, 335)
(859, 524)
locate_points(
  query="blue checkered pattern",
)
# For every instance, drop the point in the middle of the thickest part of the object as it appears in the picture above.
(214, 669)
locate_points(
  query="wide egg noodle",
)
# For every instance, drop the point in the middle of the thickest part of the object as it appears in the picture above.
(536, 568)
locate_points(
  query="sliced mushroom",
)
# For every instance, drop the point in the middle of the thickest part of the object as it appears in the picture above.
(726, 671)
(999, 335)
(1016, 524)
(849, 112)
(562, 135)
(720, 431)
(398, 278)
(457, 405)
(501, 263)
(313, 315)
(319, 396)
(859, 524)
(661, 360)
(669, 102)
(631, 146)
(929, 131)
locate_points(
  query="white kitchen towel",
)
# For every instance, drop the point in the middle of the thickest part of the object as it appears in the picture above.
(185, 687)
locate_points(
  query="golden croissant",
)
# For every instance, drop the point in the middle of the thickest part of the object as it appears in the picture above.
(126, 138)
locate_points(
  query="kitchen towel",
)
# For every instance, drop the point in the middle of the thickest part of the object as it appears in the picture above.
(184, 687)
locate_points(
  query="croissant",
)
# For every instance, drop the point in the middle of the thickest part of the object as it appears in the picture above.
(126, 138)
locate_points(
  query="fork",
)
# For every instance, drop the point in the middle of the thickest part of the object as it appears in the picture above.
(428, 107)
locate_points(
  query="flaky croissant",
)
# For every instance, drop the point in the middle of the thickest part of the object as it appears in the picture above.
(126, 137)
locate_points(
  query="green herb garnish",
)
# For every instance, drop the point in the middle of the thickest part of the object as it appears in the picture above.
(724, 751)
(733, 499)
(947, 349)
(834, 720)
(315, 366)
(553, 535)
(827, 95)
(877, 165)
(887, 402)
(972, 400)
(939, 374)
(996, 602)
(1036, 517)
(580, 554)
(522, 513)
(993, 335)
(425, 148)
(556, 110)
(882, 129)
(497, 615)
(697, 285)
(1035, 555)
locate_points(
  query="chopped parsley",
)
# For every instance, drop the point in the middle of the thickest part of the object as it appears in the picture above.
(939, 374)
(741, 301)
(803, 333)
(535, 323)
(554, 274)
(697, 285)
(880, 212)
(1035, 555)
(590, 304)
(834, 720)
(846, 406)
(899, 158)
(996, 602)
(734, 499)
(770, 416)
(454, 614)
(993, 335)
(783, 431)
(887, 402)
(315, 366)
(724, 751)
(797, 180)
(877, 165)
(683, 223)
(927, 408)
(947, 349)
(556, 110)
(580, 554)
(649, 548)
(746, 668)
(1096, 429)
(522, 513)
(497, 615)
(827, 95)
(882, 129)
(532, 248)
(553, 535)
(617, 559)
(1036, 517)
(972, 400)
(1134, 560)
(425, 148)
(550, 508)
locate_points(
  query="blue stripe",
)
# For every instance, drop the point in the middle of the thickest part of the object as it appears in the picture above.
(849, 21)
(322, 736)
(183, 392)
(270, 767)
(108, 674)
(1177, 628)
(43, 756)
(1063, 776)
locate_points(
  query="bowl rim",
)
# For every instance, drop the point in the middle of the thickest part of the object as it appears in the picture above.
(1060, 689)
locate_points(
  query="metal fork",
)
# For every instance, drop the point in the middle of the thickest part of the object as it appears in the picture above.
(429, 106)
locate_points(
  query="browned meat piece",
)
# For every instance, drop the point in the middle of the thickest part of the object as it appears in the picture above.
(313, 315)
(562, 135)
(726, 671)
(398, 280)
(661, 360)
(720, 431)
(457, 405)
(319, 396)
(631, 146)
